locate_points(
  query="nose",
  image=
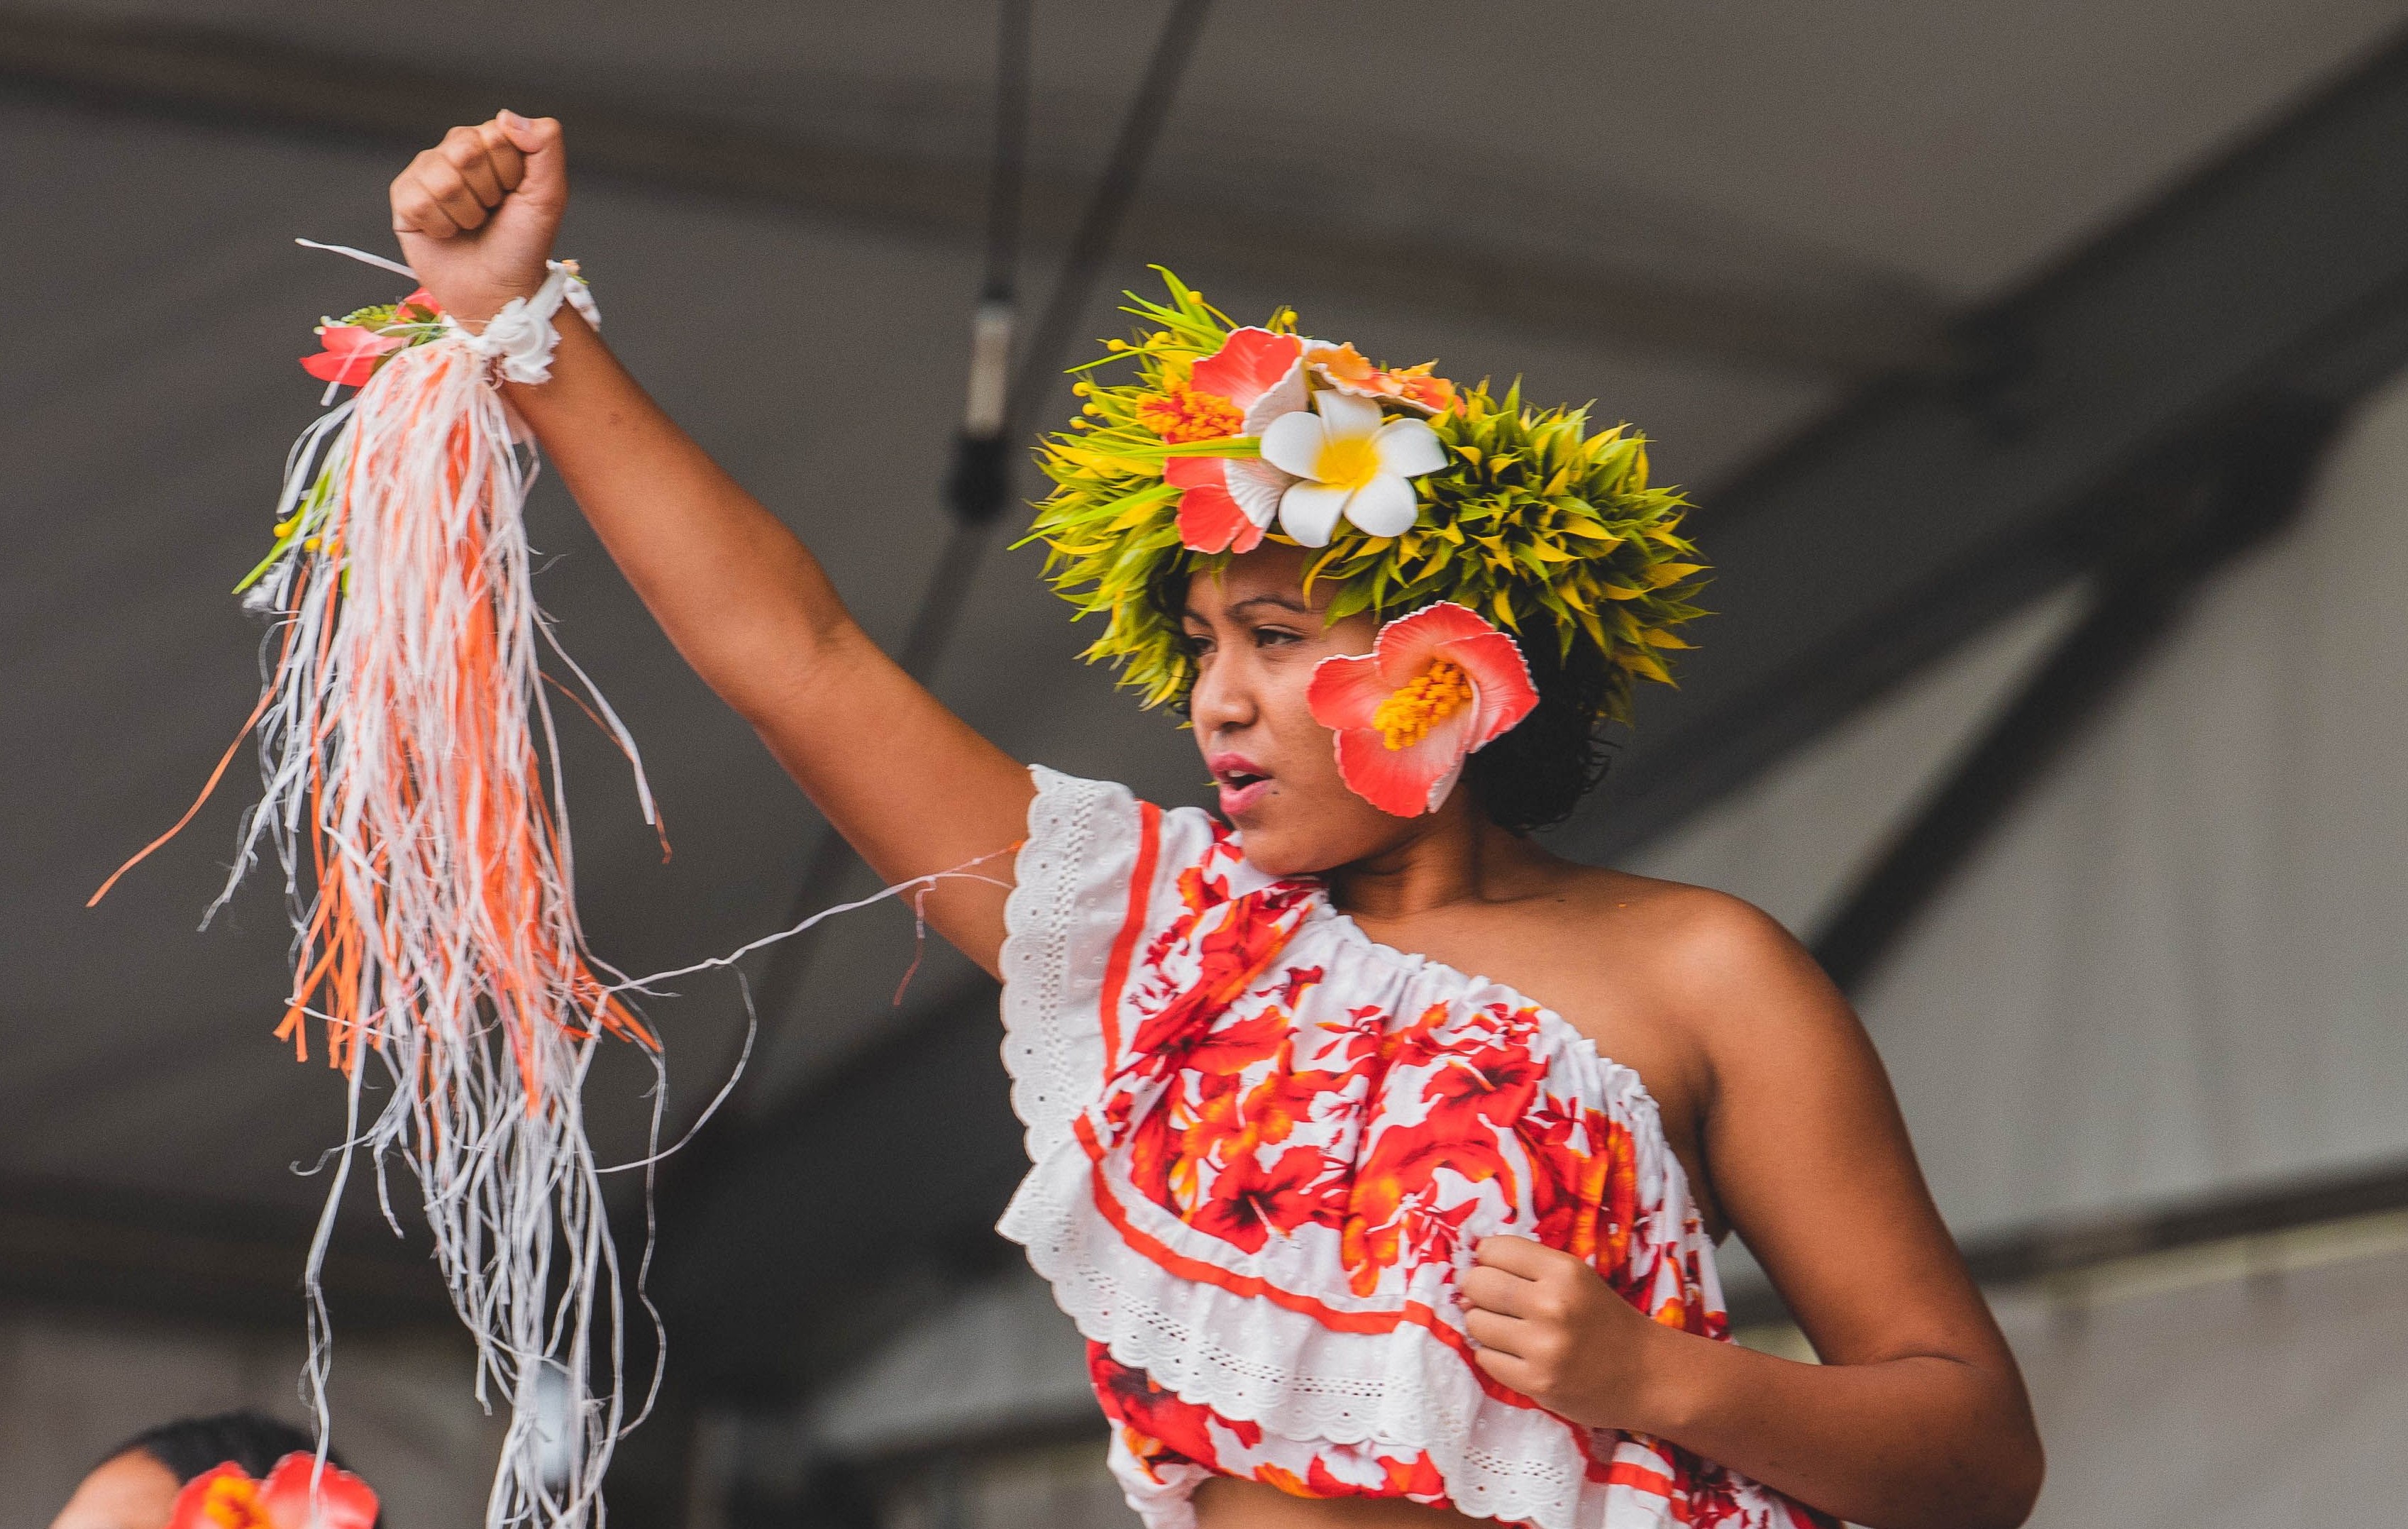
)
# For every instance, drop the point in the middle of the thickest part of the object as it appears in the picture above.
(1223, 700)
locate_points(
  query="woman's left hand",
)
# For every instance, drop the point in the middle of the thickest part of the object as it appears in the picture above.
(1550, 1327)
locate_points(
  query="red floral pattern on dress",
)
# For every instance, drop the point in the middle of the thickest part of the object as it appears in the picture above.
(1266, 1131)
(1169, 1438)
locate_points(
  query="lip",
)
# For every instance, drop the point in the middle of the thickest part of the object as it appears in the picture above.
(1236, 799)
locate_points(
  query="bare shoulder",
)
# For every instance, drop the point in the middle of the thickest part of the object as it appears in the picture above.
(1715, 967)
(1678, 930)
(1707, 998)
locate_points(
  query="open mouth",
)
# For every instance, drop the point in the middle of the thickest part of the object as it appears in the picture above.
(1242, 781)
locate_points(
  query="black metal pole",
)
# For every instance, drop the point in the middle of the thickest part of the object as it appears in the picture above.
(1001, 404)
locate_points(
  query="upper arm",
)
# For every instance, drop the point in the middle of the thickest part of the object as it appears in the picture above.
(910, 785)
(1811, 1161)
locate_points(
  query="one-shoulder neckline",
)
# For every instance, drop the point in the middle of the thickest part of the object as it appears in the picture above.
(1560, 1029)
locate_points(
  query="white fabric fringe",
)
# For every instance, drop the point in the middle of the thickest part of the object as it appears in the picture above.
(520, 338)
(406, 744)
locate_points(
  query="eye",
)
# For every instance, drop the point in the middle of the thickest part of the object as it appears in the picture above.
(1275, 637)
(1198, 643)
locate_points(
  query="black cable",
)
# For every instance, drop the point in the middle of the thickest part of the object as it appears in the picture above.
(981, 482)
(1106, 211)
(1005, 192)
(948, 591)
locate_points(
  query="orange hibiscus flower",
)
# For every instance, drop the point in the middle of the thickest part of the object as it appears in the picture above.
(1343, 369)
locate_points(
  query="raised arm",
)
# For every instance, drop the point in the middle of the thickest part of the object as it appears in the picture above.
(909, 784)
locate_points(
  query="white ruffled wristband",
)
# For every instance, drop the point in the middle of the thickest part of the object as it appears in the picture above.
(519, 339)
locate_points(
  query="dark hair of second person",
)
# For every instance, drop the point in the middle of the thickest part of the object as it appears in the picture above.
(190, 1446)
(135, 1485)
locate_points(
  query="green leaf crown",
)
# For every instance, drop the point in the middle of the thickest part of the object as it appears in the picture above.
(1534, 522)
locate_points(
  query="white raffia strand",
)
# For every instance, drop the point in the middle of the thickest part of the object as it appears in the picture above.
(414, 799)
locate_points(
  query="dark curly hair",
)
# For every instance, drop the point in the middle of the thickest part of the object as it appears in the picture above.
(189, 1447)
(1534, 775)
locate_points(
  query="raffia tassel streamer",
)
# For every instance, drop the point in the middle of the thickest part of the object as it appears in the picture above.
(406, 743)
(414, 799)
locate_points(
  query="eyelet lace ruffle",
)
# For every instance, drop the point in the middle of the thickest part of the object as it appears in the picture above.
(1065, 908)
(1216, 1341)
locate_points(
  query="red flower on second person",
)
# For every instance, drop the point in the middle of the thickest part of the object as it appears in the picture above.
(225, 1497)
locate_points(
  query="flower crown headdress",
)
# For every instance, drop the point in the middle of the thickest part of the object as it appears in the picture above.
(1411, 490)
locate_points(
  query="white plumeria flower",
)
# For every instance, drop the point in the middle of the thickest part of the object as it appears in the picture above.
(1349, 463)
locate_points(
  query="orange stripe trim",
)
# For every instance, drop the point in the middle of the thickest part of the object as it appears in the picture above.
(1638, 1478)
(1149, 850)
(1255, 1287)
(1179, 1266)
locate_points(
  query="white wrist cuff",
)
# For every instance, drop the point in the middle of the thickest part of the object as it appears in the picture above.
(519, 339)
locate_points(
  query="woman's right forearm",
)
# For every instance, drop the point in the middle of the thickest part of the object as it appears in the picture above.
(740, 596)
(914, 788)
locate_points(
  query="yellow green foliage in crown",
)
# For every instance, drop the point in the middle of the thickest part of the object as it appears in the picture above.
(1550, 531)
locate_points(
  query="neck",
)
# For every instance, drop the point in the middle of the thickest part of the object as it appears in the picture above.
(1454, 855)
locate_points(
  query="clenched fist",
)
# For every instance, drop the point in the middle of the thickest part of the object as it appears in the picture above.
(1551, 1328)
(477, 213)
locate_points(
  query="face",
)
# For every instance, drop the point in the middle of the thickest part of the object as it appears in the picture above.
(1257, 638)
(131, 1492)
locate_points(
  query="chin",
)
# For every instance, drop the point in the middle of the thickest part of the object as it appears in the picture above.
(1274, 855)
(1277, 844)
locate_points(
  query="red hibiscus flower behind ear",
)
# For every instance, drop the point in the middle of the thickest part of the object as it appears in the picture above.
(350, 355)
(1438, 686)
(227, 1499)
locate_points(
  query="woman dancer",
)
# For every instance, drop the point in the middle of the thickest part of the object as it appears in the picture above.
(1356, 1237)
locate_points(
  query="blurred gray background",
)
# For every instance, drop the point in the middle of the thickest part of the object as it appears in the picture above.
(2032, 366)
